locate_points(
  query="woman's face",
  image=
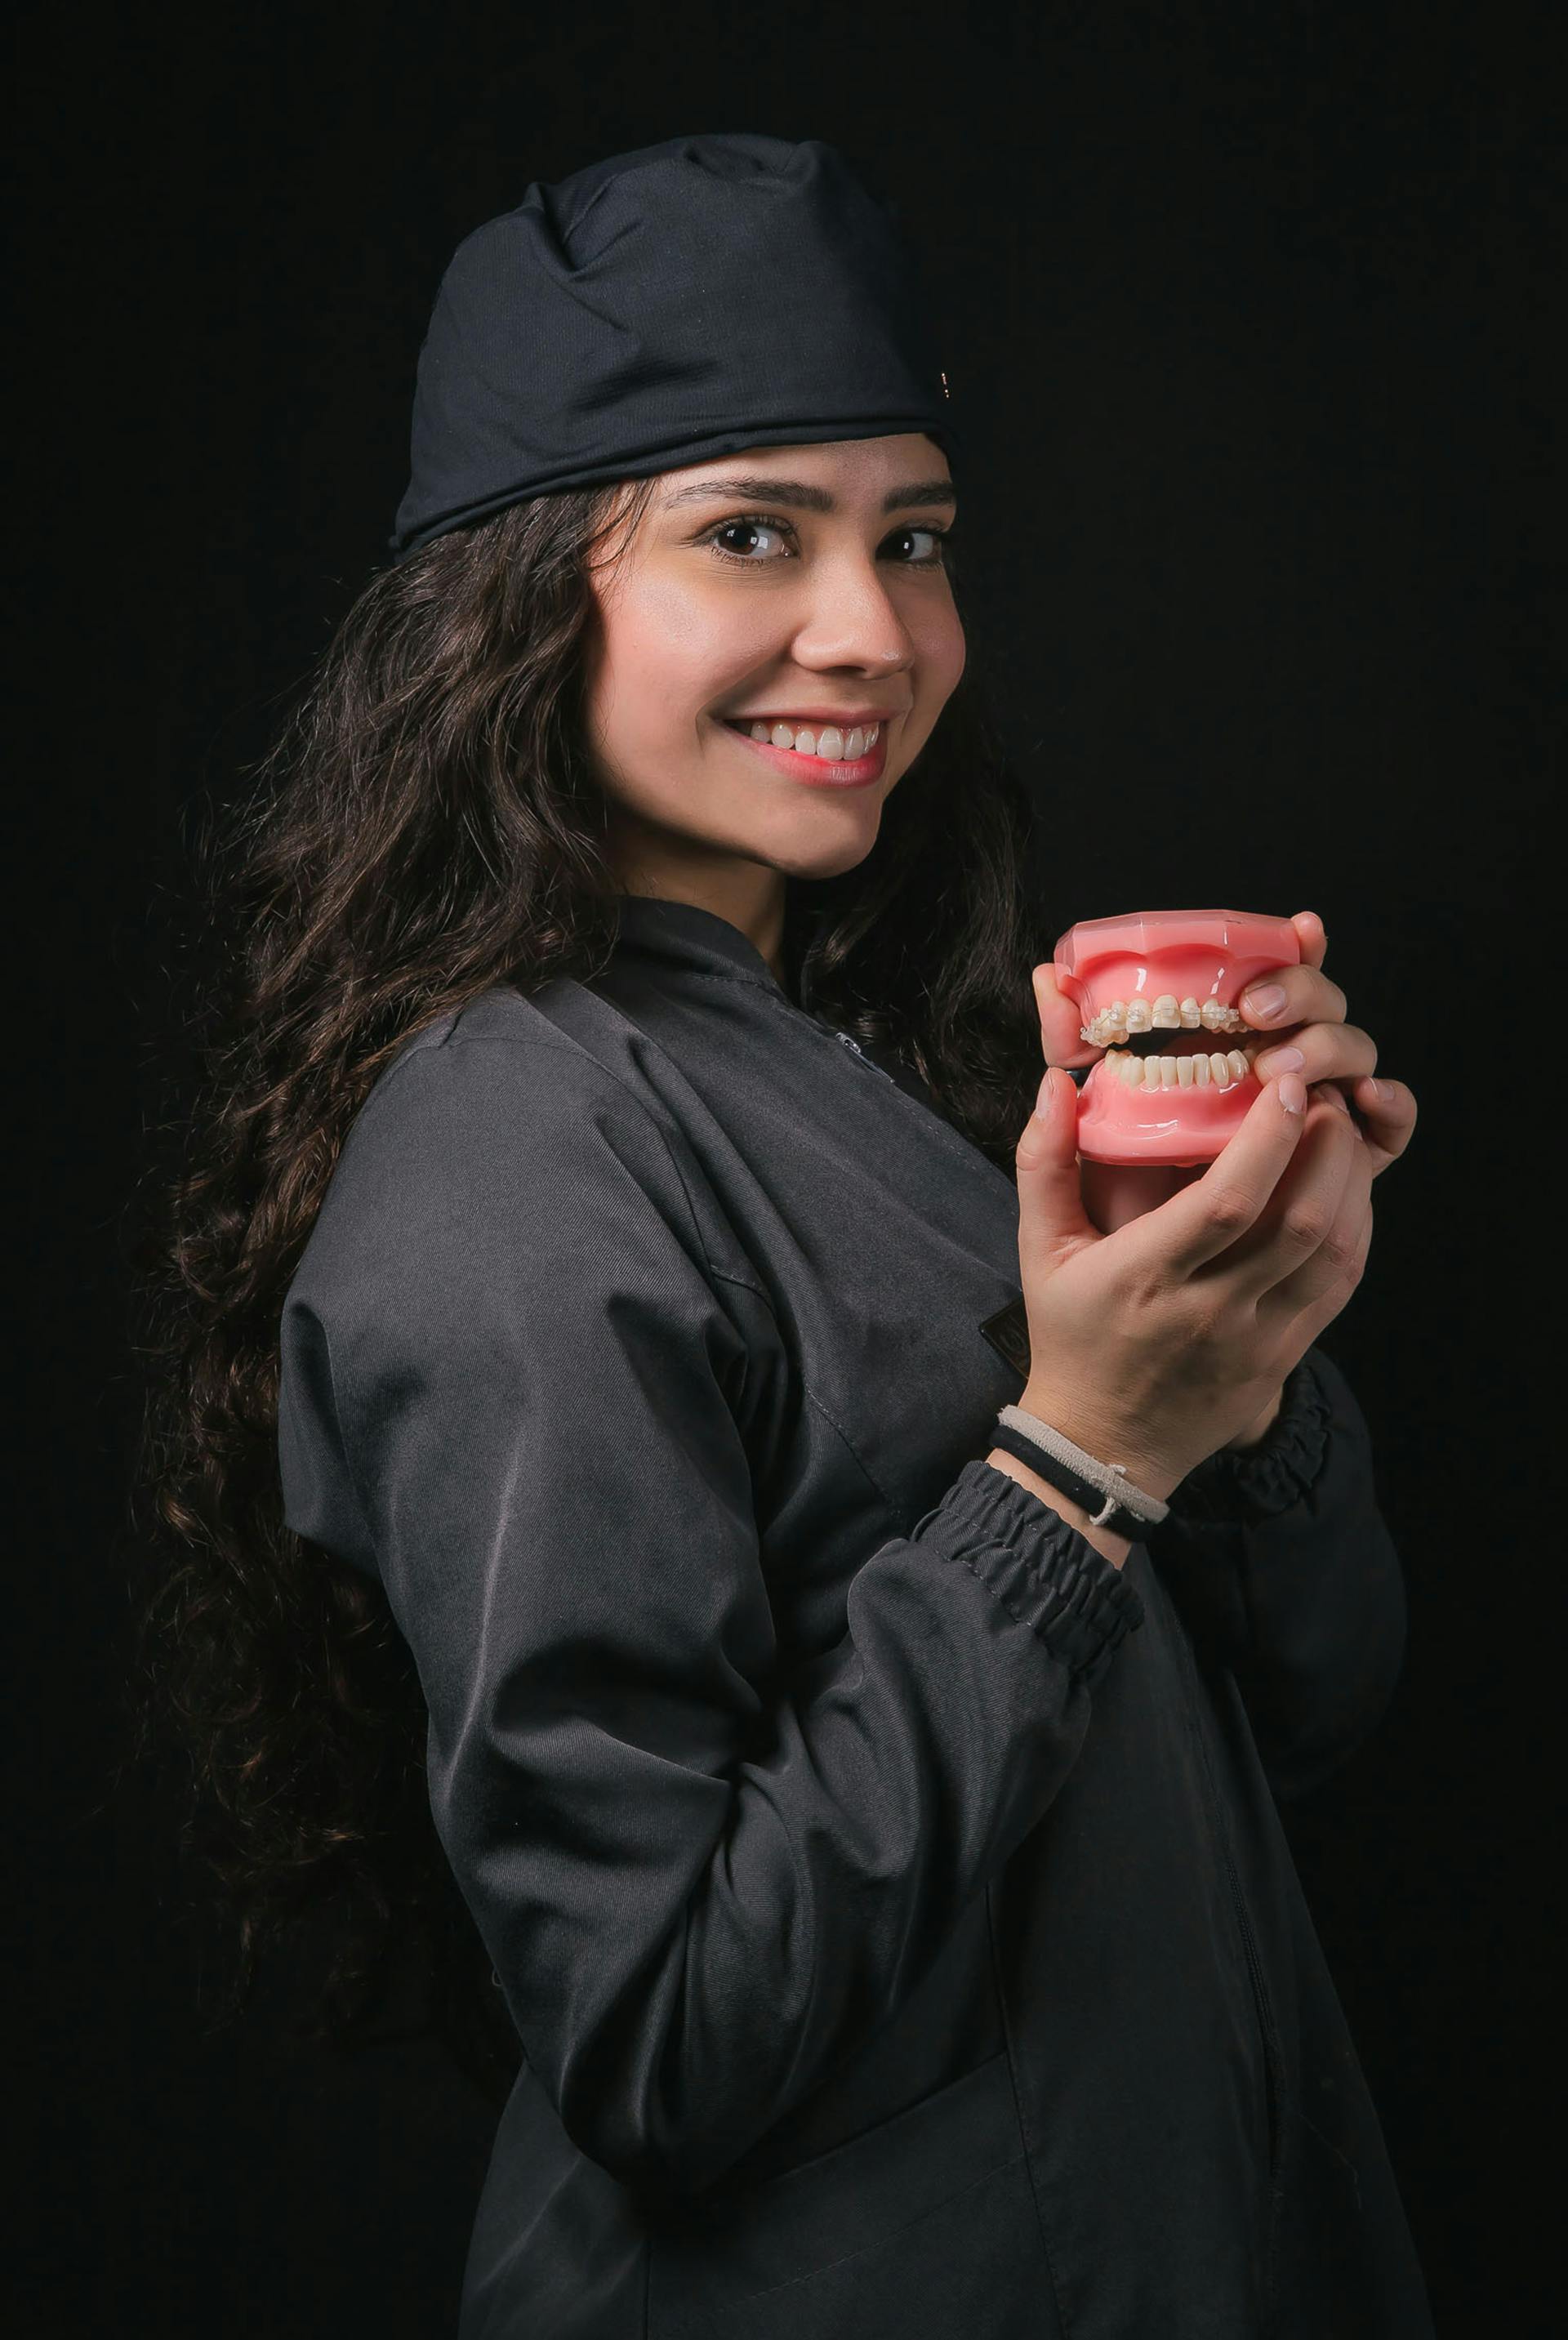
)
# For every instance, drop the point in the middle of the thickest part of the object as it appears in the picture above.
(804, 585)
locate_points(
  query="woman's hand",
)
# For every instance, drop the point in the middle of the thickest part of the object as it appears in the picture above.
(1337, 1060)
(1155, 1345)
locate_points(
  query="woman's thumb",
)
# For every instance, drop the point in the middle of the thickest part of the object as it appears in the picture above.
(1052, 1220)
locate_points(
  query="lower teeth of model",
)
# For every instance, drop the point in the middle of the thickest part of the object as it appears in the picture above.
(1217, 1070)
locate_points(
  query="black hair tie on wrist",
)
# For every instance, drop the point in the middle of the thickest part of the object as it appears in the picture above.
(1104, 1508)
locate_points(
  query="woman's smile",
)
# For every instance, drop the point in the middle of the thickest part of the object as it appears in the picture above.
(817, 771)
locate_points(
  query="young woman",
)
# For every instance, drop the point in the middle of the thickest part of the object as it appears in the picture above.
(591, 1558)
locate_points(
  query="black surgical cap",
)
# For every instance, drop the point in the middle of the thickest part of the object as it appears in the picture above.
(694, 298)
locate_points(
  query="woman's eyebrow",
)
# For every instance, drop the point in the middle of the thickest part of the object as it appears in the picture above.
(814, 499)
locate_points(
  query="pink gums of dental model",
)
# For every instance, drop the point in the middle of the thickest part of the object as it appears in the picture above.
(1167, 980)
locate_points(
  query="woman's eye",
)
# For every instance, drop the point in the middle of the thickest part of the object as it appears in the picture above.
(938, 537)
(742, 528)
(726, 538)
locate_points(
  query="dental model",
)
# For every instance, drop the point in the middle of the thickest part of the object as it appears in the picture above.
(1164, 983)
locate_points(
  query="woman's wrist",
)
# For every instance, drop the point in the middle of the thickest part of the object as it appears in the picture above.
(1253, 1481)
(1258, 1430)
(1114, 1548)
(1107, 1444)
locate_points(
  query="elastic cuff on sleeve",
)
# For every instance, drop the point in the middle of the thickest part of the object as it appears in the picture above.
(1043, 1571)
(1243, 1486)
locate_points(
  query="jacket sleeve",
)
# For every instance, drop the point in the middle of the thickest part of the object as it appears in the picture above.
(702, 1874)
(1283, 1569)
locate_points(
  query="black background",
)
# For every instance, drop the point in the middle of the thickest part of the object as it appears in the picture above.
(1250, 312)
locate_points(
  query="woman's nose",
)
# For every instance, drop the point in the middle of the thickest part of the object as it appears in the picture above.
(854, 621)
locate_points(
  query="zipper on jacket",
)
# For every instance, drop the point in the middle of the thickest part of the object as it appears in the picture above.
(931, 1114)
(864, 1059)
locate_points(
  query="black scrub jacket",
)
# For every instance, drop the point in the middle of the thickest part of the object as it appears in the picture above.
(888, 1892)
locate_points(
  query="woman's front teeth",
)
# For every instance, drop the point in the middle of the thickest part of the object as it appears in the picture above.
(833, 745)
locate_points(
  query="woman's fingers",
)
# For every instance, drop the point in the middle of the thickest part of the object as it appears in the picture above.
(1052, 1220)
(1210, 1215)
(1312, 935)
(1281, 996)
(1060, 1023)
(1301, 1215)
(1332, 1294)
(1328, 1052)
(1330, 1272)
(1387, 1110)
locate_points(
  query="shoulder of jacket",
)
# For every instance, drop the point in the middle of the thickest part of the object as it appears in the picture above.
(498, 1048)
(496, 1079)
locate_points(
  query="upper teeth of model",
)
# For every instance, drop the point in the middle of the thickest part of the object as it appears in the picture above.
(1167, 1014)
(832, 743)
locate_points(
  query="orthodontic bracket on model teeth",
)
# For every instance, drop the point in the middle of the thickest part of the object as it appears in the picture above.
(1190, 1068)
(1123, 1017)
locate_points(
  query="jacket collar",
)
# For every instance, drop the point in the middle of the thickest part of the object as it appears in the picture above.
(681, 935)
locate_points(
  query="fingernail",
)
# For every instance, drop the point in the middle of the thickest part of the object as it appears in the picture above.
(1278, 1060)
(1292, 1093)
(1384, 1091)
(1265, 999)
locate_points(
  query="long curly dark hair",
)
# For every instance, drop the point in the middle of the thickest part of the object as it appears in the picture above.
(427, 825)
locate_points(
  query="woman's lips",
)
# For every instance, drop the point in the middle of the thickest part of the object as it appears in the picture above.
(817, 771)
